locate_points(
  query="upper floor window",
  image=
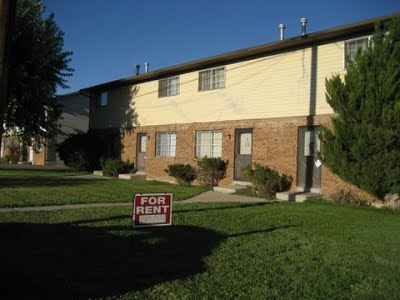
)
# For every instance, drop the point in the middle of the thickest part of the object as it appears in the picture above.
(209, 143)
(166, 144)
(212, 79)
(351, 48)
(168, 87)
(102, 99)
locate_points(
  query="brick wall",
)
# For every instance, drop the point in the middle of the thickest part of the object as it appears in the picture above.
(274, 144)
(39, 157)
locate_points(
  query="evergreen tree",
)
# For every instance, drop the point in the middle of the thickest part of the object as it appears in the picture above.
(363, 145)
(38, 66)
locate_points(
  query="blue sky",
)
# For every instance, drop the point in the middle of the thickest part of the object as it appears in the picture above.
(109, 37)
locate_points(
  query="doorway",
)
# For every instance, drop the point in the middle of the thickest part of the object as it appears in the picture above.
(141, 152)
(243, 151)
(308, 171)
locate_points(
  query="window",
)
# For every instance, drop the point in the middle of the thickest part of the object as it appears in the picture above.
(166, 144)
(209, 143)
(212, 79)
(168, 87)
(102, 99)
(351, 48)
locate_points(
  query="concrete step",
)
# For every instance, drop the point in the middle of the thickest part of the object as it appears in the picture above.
(312, 190)
(228, 189)
(134, 176)
(296, 196)
(287, 196)
(304, 196)
(245, 183)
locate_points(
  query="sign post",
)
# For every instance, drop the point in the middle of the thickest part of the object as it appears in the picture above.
(152, 210)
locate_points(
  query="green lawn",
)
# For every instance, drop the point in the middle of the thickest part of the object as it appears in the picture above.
(20, 188)
(220, 251)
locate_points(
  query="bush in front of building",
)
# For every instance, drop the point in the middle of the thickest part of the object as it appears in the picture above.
(82, 151)
(266, 182)
(363, 145)
(211, 170)
(184, 174)
(112, 167)
(5, 160)
(14, 152)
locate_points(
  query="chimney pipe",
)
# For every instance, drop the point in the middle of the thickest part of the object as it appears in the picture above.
(282, 31)
(146, 67)
(137, 69)
(303, 22)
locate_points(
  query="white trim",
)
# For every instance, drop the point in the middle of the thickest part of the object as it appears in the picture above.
(30, 154)
(2, 147)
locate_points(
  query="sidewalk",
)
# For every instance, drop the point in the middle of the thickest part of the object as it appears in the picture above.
(211, 196)
(206, 197)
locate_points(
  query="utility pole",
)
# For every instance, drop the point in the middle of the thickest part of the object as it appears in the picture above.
(7, 20)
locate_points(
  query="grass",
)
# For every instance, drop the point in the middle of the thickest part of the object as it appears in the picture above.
(246, 251)
(19, 188)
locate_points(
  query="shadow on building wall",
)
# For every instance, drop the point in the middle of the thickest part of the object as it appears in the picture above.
(112, 121)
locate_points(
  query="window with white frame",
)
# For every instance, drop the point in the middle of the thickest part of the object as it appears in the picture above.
(351, 48)
(102, 99)
(209, 143)
(166, 144)
(212, 79)
(168, 87)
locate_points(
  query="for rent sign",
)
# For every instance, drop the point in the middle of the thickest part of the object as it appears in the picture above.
(152, 210)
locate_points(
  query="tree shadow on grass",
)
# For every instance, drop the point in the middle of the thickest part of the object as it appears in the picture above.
(61, 261)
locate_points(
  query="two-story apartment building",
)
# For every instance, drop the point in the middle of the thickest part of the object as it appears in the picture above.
(263, 105)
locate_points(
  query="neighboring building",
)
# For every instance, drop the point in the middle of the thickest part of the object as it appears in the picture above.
(74, 119)
(258, 105)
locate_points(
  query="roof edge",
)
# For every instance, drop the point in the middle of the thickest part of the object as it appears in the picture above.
(318, 37)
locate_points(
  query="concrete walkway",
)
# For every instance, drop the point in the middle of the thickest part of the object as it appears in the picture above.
(209, 196)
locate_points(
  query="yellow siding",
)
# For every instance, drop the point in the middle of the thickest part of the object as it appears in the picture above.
(330, 61)
(274, 86)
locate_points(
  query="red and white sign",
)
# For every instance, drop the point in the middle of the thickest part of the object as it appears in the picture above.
(152, 210)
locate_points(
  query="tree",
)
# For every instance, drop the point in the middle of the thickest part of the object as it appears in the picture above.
(7, 17)
(363, 145)
(38, 65)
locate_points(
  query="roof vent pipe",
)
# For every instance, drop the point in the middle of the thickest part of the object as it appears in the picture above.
(282, 31)
(137, 67)
(303, 22)
(146, 67)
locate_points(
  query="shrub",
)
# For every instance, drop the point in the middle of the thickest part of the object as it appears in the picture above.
(184, 174)
(5, 160)
(348, 198)
(14, 152)
(265, 181)
(211, 170)
(363, 145)
(82, 151)
(112, 167)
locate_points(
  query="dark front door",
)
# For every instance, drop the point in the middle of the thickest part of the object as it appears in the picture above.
(308, 171)
(141, 152)
(243, 150)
